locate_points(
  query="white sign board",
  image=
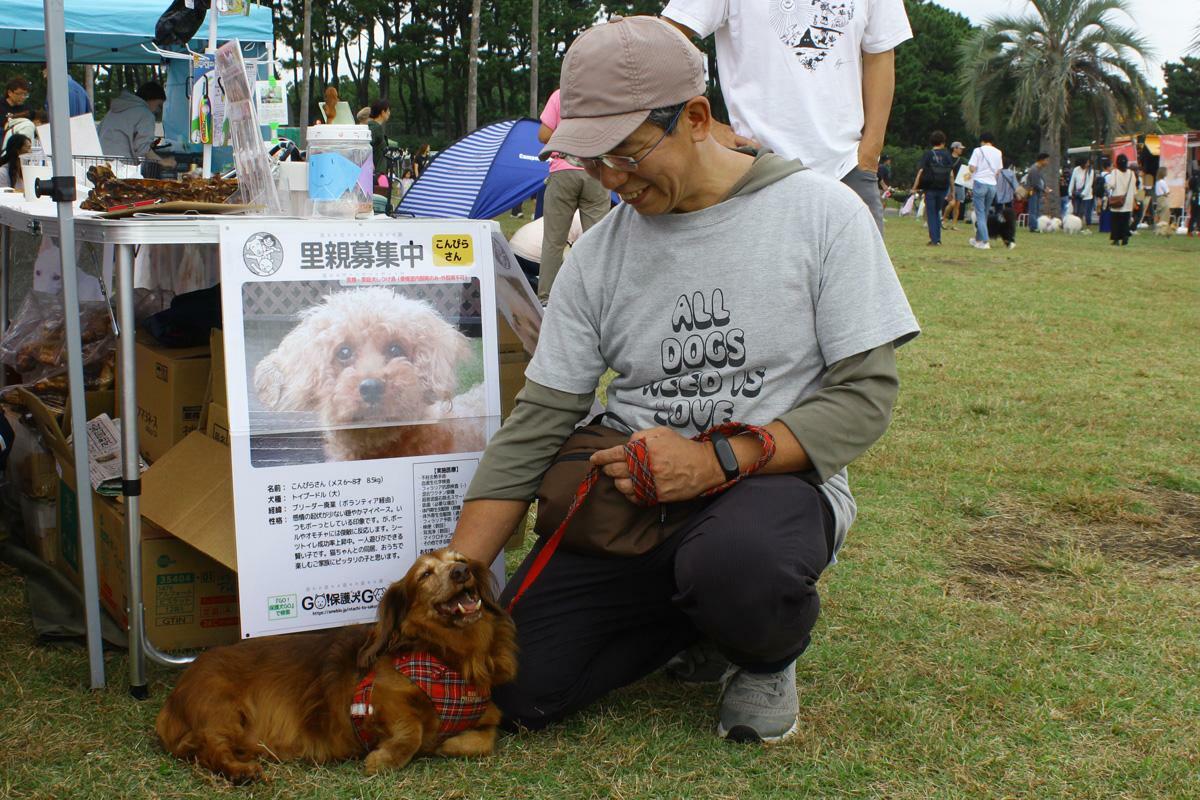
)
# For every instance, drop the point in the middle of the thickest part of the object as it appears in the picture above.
(363, 384)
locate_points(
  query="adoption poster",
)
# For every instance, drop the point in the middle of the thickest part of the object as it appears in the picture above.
(363, 384)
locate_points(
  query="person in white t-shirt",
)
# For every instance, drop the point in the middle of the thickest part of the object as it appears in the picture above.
(985, 164)
(811, 81)
(1162, 210)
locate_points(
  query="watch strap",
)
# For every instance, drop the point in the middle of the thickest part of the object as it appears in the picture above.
(726, 458)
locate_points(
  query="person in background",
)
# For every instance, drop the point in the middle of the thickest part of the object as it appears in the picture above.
(1193, 205)
(568, 189)
(956, 195)
(377, 118)
(421, 160)
(985, 165)
(824, 103)
(884, 178)
(1006, 193)
(128, 129)
(1035, 181)
(1064, 198)
(13, 104)
(1100, 190)
(934, 175)
(1079, 189)
(1120, 200)
(78, 102)
(1162, 210)
(10, 161)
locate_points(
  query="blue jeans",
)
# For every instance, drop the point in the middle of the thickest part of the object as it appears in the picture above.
(984, 195)
(935, 204)
(1035, 209)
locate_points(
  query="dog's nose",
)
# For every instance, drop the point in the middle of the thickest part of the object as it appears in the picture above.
(459, 573)
(371, 390)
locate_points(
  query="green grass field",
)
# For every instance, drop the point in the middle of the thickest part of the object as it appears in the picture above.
(1014, 615)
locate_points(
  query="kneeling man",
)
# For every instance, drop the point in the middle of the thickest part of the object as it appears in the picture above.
(727, 287)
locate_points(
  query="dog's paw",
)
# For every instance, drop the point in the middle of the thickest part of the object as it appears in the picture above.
(381, 761)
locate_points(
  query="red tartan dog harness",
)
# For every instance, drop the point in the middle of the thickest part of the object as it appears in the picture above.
(459, 704)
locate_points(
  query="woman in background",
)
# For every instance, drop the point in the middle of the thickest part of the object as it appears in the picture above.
(10, 162)
(1120, 200)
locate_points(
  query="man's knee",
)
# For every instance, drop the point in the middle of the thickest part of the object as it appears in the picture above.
(751, 583)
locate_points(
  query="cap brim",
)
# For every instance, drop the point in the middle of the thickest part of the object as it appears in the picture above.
(588, 137)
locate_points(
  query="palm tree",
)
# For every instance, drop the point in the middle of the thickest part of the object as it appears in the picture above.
(1035, 65)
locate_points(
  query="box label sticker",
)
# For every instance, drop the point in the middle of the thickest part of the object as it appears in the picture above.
(175, 597)
(453, 251)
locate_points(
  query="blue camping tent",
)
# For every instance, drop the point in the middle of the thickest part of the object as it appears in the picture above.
(111, 31)
(486, 172)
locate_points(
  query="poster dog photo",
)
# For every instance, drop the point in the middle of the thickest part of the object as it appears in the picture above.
(379, 371)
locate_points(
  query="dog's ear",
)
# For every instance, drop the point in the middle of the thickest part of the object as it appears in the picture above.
(502, 656)
(444, 348)
(290, 378)
(385, 636)
(485, 582)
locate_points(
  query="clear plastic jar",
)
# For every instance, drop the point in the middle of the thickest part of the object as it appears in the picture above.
(340, 171)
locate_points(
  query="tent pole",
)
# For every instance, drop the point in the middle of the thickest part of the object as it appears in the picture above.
(61, 188)
(534, 105)
(212, 48)
(305, 89)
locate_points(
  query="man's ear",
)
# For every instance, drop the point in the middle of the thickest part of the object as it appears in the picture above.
(385, 636)
(699, 118)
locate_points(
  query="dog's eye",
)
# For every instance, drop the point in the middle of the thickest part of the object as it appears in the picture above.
(396, 350)
(344, 353)
(425, 574)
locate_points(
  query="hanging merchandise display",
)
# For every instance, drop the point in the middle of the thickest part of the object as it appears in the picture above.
(255, 177)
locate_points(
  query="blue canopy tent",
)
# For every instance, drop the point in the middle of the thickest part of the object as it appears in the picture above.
(486, 172)
(112, 31)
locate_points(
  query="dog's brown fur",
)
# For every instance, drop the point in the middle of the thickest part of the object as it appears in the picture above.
(288, 697)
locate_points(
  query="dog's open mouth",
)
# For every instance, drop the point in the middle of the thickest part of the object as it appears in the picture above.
(464, 604)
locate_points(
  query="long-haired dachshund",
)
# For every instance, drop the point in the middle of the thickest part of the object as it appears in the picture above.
(368, 361)
(418, 681)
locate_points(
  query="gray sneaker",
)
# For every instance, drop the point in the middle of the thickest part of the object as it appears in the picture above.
(758, 707)
(700, 663)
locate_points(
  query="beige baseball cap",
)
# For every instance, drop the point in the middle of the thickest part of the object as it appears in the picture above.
(614, 75)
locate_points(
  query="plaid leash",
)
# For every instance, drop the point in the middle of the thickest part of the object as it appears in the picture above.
(637, 458)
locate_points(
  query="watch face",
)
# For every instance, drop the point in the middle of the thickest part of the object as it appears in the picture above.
(726, 457)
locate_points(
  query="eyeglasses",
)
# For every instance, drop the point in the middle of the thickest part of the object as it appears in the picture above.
(622, 163)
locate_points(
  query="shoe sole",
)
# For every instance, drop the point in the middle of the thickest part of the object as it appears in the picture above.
(744, 734)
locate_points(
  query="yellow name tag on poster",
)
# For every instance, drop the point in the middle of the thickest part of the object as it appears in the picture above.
(453, 251)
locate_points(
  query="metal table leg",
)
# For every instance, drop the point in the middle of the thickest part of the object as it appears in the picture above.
(5, 239)
(139, 645)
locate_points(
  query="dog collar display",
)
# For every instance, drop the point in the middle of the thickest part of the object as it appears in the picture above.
(459, 705)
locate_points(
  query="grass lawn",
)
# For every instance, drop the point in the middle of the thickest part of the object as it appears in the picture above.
(1014, 614)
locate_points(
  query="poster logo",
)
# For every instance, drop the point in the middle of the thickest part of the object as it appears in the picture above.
(281, 606)
(263, 254)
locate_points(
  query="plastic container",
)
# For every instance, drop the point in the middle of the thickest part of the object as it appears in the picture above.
(340, 169)
(34, 165)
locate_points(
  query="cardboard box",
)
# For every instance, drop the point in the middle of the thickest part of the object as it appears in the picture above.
(171, 387)
(512, 379)
(39, 520)
(30, 462)
(190, 598)
(217, 427)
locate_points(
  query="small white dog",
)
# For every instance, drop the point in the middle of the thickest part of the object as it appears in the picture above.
(1043, 224)
(1072, 224)
(368, 361)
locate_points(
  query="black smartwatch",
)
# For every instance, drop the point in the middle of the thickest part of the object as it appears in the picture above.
(725, 455)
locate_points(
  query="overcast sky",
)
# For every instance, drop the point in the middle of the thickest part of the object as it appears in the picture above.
(1168, 25)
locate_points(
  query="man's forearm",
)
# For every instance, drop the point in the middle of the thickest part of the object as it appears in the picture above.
(485, 525)
(878, 86)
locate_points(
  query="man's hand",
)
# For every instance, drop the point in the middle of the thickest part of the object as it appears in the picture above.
(868, 156)
(682, 468)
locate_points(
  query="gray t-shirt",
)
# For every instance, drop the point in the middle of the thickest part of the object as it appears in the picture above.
(727, 313)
